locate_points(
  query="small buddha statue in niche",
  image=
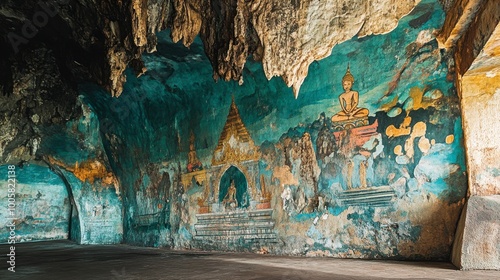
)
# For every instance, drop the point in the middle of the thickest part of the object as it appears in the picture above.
(230, 198)
(349, 101)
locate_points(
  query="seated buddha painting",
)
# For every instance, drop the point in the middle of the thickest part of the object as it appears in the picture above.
(350, 114)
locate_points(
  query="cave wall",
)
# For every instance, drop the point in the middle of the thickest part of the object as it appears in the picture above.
(75, 152)
(64, 187)
(476, 243)
(53, 140)
(41, 208)
(480, 86)
(390, 186)
(150, 167)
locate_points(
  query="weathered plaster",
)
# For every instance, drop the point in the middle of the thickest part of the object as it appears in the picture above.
(42, 206)
(480, 101)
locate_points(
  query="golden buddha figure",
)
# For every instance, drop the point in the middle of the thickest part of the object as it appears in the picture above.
(349, 101)
(230, 198)
(194, 164)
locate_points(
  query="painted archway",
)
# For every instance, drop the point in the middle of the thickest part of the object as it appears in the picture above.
(42, 205)
(236, 176)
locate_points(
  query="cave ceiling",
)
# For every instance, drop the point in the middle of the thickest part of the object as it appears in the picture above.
(98, 40)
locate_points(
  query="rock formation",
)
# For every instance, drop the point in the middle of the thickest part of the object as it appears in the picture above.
(107, 36)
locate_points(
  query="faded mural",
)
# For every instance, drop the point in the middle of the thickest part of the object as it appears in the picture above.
(367, 162)
(42, 209)
(349, 185)
(70, 192)
(378, 173)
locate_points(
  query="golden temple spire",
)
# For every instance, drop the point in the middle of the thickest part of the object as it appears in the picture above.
(234, 127)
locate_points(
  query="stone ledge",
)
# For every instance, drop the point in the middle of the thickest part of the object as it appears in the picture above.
(477, 240)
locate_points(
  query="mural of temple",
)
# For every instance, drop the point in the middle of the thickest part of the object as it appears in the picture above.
(236, 219)
(234, 164)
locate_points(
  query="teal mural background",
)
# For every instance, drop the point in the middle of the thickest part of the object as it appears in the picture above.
(53, 203)
(42, 206)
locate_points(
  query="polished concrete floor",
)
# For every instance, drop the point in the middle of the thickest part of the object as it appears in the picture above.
(66, 260)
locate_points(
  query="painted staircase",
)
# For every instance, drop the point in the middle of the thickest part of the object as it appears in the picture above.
(248, 230)
(375, 197)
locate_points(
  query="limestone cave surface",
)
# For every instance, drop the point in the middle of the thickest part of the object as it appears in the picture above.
(130, 102)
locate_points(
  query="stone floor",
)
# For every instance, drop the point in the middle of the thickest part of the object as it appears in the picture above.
(66, 260)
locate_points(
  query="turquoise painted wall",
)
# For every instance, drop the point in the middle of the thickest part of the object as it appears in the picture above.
(395, 193)
(68, 192)
(390, 188)
(41, 209)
